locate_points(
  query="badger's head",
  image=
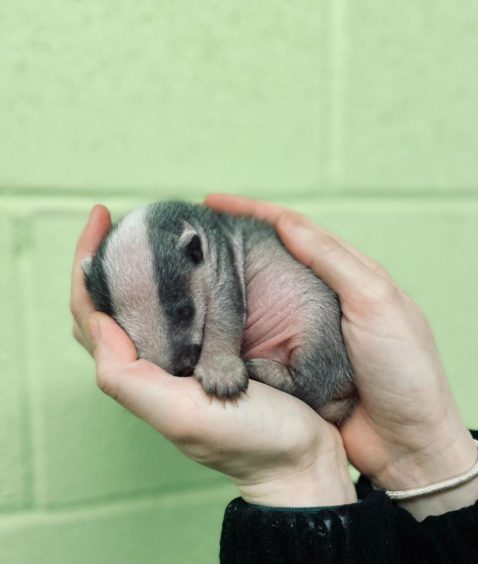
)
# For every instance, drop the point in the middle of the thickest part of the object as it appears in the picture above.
(150, 274)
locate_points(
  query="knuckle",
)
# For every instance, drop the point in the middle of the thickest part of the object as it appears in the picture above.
(291, 215)
(328, 245)
(106, 384)
(417, 311)
(380, 269)
(382, 292)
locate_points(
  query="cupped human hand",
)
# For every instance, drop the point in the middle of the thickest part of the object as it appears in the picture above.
(406, 430)
(273, 446)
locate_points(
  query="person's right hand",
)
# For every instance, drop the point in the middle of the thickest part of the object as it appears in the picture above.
(406, 430)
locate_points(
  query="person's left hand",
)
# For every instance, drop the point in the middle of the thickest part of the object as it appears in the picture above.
(274, 447)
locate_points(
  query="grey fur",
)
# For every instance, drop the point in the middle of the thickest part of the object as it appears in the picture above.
(180, 279)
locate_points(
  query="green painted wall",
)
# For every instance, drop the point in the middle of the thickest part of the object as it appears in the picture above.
(362, 114)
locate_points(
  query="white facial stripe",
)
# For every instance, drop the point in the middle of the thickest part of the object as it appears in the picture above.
(129, 267)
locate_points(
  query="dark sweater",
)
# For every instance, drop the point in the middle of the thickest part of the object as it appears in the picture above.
(374, 529)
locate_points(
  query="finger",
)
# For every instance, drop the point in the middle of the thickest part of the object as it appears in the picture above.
(239, 205)
(113, 347)
(369, 262)
(118, 372)
(341, 269)
(113, 350)
(93, 233)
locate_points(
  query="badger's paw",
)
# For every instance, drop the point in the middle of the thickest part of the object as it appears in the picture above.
(224, 376)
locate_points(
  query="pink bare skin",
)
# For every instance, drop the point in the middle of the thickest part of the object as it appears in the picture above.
(274, 325)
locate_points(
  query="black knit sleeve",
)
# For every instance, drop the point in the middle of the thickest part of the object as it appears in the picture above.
(372, 530)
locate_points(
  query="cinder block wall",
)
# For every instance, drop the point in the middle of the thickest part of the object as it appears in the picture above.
(362, 114)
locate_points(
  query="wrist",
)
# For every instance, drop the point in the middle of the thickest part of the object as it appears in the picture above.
(443, 501)
(430, 467)
(444, 458)
(325, 481)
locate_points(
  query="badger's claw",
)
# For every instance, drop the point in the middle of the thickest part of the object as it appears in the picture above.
(224, 376)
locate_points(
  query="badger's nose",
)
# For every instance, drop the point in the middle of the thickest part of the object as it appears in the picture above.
(187, 359)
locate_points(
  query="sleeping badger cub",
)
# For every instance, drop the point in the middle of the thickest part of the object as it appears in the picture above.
(219, 297)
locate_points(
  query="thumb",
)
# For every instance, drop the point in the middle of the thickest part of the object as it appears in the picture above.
(325, 255)
(111, 344)
(113, 352)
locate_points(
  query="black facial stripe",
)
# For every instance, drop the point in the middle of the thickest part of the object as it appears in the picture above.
(176, 302)
(185, 359)
(184, 313)
(97, 284)
(173, 269)
(180, 315)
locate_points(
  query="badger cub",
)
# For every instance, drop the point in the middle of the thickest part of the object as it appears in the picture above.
(219, 297)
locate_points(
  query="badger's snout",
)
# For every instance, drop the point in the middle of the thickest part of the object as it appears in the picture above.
(186, 359)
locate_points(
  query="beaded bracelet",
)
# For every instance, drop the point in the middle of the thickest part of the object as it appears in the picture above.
(436, 487)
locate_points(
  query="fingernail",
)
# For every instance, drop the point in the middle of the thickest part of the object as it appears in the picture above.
(94, 330)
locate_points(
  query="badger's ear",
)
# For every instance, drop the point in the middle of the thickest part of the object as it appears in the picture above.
(191, 242)
(86, 265)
